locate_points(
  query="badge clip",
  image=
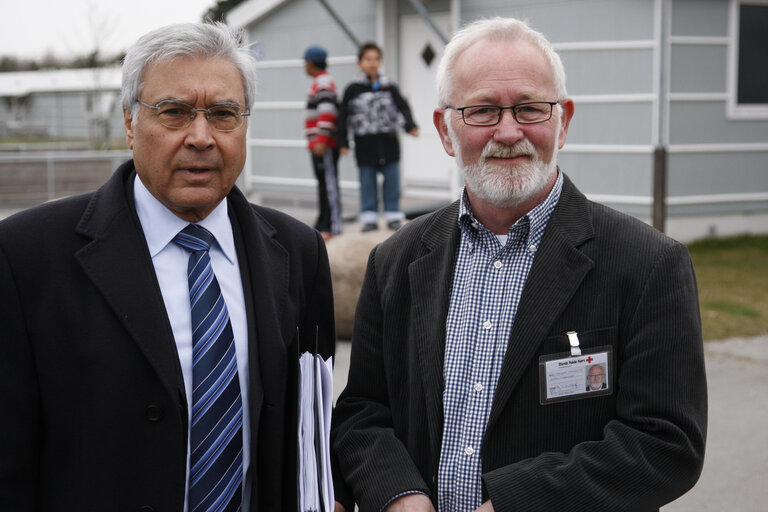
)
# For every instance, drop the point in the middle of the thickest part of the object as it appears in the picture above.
(573, 338)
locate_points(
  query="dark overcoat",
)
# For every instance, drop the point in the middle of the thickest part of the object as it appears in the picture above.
(94, 414)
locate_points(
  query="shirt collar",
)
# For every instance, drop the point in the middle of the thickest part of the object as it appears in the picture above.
(537, 218)
(160, 225)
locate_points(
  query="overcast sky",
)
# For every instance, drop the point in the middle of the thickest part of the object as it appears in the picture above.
(69, 28)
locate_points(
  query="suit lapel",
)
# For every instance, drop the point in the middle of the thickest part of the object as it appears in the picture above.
(264, 264)
(557, 271)
(118, 263)
(430, 278)
(264, 267)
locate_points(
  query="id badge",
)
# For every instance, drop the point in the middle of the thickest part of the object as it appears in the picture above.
(581, 373)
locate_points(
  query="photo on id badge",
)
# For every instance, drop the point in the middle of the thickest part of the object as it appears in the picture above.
(580, 373)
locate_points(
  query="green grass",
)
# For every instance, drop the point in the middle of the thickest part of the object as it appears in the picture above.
(733, 285)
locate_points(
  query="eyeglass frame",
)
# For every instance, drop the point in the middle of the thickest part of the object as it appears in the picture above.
(501, 112)
(193, 111)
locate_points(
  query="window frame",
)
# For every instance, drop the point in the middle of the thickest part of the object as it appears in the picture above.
(735, 110)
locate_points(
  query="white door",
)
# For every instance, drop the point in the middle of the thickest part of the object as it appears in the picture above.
(426, 169)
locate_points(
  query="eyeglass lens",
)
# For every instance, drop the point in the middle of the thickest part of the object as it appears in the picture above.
(535, 112)
(179, 115)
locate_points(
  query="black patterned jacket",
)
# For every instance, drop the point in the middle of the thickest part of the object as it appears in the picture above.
(373, 112)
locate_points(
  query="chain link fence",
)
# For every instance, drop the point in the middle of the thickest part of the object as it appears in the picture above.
(31, 178)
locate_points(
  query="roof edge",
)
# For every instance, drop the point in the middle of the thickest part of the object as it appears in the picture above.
(251, 11)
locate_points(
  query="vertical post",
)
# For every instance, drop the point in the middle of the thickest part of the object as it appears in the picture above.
(50, 171)
(455, 15)
(663, 9)
(659, 188)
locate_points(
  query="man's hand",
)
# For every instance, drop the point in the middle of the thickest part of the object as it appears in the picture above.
(485, 507)
(414, 132)
(344, 151)
(411, 503)
(338, 507)
(318, 149)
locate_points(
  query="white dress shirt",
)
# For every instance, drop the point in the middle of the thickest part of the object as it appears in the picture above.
(160, 226)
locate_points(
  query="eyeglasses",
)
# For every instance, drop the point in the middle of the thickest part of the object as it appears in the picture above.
(175, 114)
(529, 112)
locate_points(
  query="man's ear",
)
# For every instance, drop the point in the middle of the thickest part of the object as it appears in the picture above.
(565, 120)
(128, 124)
(438, 117)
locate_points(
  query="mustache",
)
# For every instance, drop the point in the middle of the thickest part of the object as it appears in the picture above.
(498, 150)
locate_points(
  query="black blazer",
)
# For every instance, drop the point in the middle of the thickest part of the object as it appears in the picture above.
(611, 278)
(94, 410)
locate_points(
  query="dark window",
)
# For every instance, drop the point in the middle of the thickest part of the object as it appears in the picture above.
(753, 55)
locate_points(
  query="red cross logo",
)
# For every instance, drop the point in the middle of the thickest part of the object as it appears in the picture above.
(589, 359)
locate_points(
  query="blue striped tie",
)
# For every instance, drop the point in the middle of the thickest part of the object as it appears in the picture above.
(216, 438)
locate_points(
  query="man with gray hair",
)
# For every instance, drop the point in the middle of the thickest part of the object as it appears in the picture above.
(151, 330)
(476, 323)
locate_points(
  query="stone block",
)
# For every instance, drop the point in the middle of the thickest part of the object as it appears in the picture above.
(348, 257)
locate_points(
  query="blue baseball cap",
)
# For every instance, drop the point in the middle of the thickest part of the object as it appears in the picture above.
(316, 55)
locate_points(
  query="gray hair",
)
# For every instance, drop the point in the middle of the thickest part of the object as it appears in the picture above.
(214, 40)
(494, 29)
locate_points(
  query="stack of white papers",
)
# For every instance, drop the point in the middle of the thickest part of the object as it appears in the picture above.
(315, 403)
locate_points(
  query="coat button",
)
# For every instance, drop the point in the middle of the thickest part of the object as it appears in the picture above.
(153, 413)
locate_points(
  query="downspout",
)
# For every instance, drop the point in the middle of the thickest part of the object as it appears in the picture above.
(660, 154)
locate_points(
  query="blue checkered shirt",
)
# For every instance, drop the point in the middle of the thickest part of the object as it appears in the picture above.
(487, 283)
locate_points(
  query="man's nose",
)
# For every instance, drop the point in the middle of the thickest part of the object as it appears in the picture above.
(508, 129)
(200, 133)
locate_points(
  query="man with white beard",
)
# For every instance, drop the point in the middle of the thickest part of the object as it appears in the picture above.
(476, 323)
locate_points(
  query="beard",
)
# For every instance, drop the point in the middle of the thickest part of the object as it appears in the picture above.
(505, 186)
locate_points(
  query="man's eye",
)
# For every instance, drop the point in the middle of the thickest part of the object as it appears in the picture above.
(223, 113)
(530, 109)
(483, 111)
(173, 111)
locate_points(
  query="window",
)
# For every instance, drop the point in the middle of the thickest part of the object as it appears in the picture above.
(748, 73)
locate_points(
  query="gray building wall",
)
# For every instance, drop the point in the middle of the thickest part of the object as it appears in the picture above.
(68, 115)
(279, 41)
(643, 74)
(705, 153)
